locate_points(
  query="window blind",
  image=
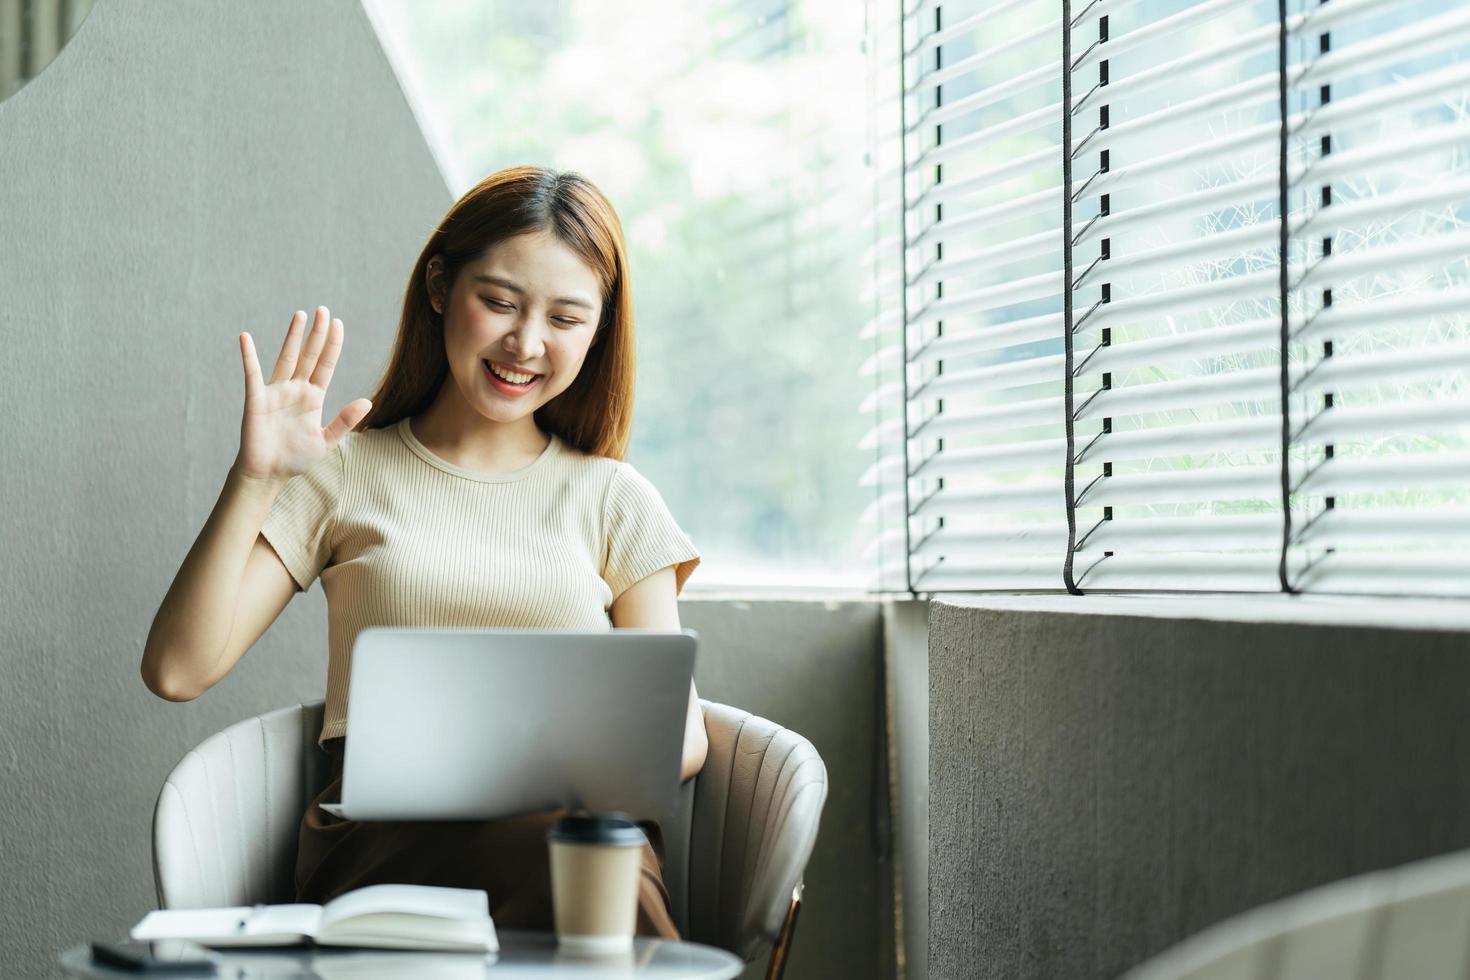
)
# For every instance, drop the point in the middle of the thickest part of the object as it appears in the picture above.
(1110, 219)
(1380, 408)
(885, 520)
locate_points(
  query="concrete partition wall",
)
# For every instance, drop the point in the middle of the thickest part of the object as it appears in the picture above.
(182, 172)
(816, 667)
(906, 663)
(1110, 775)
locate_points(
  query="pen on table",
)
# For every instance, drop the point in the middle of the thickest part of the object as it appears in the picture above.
(246, 917)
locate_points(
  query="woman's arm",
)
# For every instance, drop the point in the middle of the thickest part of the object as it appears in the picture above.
(233, 585)
(653, 603)
(189, 645)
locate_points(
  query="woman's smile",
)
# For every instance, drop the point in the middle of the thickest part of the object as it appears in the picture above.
(508, 387)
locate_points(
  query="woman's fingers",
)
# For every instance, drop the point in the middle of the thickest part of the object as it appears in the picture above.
(313, 358)
(351, 414)
(322, 375)
(286, 362)
(252, 366)
(306, 363)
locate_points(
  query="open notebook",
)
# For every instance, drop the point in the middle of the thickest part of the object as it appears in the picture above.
(378, 916)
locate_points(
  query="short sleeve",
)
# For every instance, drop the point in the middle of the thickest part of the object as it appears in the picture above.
(301, 520)
(640, 535)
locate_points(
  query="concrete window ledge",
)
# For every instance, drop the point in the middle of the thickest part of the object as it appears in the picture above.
(1325, 610)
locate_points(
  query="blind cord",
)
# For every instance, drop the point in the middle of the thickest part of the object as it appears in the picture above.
(903, 307)
(1281, 572)
(1068, 488)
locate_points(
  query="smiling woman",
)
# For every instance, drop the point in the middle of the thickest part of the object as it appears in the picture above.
(510, 347)
(510, 331)
(458, 500)
(528, 271)
(513, 357)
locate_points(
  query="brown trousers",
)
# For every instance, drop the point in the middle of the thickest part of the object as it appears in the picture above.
(507, 857)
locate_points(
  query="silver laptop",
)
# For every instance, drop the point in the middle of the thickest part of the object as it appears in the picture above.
(485, 723)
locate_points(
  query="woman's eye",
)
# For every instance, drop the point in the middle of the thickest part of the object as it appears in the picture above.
(500, 306)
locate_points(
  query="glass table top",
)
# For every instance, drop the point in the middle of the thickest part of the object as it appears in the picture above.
(522, 954)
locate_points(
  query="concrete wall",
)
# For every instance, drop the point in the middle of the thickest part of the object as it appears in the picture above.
(906, 662)
(182, 171)
(1109, 775)
(816, 667)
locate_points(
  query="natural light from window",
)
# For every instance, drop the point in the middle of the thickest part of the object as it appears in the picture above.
(730, 138)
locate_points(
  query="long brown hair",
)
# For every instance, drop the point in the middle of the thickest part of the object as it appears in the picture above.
(595, 413)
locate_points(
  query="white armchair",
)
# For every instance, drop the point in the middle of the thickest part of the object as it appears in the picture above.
(225, 825)
(1408, 921)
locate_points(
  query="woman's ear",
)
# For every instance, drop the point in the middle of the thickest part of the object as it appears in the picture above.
(434, 282)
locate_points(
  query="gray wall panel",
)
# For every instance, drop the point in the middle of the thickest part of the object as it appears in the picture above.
(906, 656)
(816, 667)
(183, 171)
(1104, 784)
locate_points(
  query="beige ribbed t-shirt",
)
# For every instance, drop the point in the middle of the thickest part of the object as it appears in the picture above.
(401, 537)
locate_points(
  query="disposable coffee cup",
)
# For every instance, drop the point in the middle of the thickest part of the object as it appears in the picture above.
(596, 860)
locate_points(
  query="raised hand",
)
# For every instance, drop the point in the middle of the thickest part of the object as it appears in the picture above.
(281, 433)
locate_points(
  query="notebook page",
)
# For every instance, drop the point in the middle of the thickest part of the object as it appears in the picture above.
(406, 929)
(470, 904)
(281, 920)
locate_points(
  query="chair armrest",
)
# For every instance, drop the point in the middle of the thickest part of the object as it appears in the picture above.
(757, 805)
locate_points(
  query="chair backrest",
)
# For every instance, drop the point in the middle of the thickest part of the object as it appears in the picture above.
(757, 804)
(1409, 921)
(226, 822)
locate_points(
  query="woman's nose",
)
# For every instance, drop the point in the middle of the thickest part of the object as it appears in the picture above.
(525, 340)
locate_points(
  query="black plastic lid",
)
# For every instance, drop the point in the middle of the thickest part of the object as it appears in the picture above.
(617, 829)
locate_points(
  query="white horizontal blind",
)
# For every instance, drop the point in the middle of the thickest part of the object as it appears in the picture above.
(885, 522)
(1178, 367)
(981, 295)
(1174, 424)
(1380, 365)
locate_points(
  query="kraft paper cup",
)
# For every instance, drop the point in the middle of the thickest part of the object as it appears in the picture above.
(596, 860)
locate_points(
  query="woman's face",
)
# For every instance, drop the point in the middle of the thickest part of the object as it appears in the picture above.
(529, 305)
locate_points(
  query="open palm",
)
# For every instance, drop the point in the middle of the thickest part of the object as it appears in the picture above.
(281, 433)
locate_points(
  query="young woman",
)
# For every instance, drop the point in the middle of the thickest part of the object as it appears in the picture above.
(483, 485)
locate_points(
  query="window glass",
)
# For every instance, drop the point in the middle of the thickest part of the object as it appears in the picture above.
(730, 138)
